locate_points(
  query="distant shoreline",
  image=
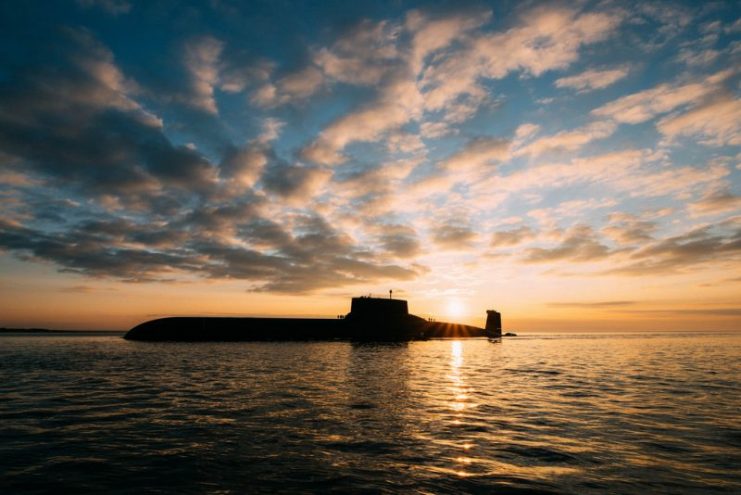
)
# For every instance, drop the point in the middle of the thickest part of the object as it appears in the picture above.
(4, 330)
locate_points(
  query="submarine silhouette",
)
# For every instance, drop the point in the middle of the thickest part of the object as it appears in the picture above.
(370, 319)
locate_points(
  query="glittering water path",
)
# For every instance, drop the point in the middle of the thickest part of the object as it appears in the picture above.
(544, 414)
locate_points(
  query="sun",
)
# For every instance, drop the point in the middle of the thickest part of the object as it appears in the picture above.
(455, 308)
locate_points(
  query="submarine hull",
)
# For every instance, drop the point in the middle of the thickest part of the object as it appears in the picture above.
(197, 329)
(370, 320)
(203, 329)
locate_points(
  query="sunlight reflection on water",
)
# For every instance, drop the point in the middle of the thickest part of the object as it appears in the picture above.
(546, 414)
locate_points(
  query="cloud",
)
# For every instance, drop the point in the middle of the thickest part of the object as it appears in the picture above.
(512, 237)
(294, 183)
(372, 189)
(604, 168)
(294, 87)
(244, 165)
(363, 56)
(369, 53)
(271, 128)
(547, 38)
(525, 131)
(592, 79)
(216, 220)
(628, 229)
(672, 19)
(477, 153)
(568, 140)
(667, 181)
(433, 34)
(315, 256)
(639, 173)
(404, 142)
(568, 209)
(453, 235)
(399, 240)
(269, 258)
(16, 178)
(398, 102)
(716, 122)
(594, 304)
(89, 253)
(635, 172)
(77, 127)
(719, 312)
(698, 57)
(81, 74)
(235, 77)
(647, 104)
(709, 244)
(201, 58)
(302, 84)
(341, 190)
(321, 256)
(715, 201)
(579, 243)
(76, 123)
(431, 130)
(86, 289)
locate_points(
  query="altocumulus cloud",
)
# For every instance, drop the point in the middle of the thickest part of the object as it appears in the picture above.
(155, 210)
(303, 149)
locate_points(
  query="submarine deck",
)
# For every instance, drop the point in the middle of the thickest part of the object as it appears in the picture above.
(232, 329)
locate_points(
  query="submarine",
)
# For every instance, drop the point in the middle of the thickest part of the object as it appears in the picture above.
(371, 319)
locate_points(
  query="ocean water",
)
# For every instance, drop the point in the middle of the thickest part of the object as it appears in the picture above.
(551, 414)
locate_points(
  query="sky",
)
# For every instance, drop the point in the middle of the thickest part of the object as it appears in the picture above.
(573, 165)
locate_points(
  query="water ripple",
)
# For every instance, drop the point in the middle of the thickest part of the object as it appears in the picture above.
(539, 415)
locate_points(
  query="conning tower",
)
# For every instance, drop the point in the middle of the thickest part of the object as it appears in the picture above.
(493, 323)
(374, 307)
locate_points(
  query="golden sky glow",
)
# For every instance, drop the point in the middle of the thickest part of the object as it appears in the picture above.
(574, 167)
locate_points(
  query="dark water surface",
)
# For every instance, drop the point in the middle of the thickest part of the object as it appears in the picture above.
(575, 414)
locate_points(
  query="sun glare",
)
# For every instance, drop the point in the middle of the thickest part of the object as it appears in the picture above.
(455, 308)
